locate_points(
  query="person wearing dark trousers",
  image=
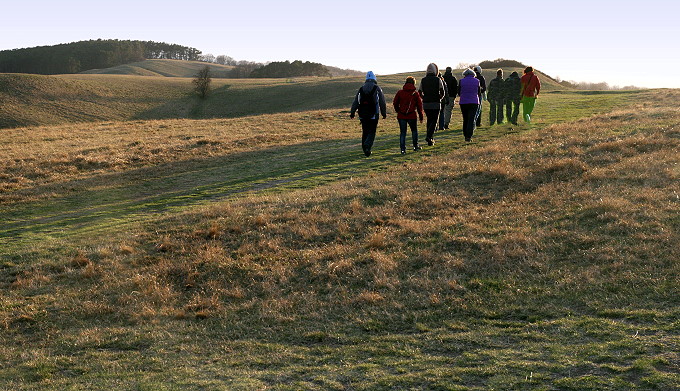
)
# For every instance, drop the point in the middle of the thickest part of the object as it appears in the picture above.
(496, 96)
(445, 101)
(409, 107)
(452, 86)
(513, 92)
(469, 91)
(432, 91)
(482, 89)
(370, 103)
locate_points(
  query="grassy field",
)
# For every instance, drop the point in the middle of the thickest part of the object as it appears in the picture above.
(265, 252)
(33, 100)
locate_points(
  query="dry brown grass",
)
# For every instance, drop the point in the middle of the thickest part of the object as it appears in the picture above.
(54, 156)
(559, 224)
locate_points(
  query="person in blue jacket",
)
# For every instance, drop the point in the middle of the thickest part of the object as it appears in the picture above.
(370, 103)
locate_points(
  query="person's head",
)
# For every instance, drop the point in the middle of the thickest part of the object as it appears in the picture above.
(477, 69)
(432, 69)
(371, 76)
(448, 69)
(514, 74)
(499, 73)
(411, 80)
(468, 72)
(528, 69)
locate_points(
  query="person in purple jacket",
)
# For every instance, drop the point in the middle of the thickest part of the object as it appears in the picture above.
(469, 90)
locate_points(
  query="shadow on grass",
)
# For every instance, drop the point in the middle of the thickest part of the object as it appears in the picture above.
(230, 101)
(110, 201)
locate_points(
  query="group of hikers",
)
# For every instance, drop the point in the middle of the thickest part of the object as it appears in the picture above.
(436, 98)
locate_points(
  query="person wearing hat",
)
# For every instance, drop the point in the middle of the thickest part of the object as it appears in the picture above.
(432, 91)
(496, 95)
(370, 103)
(452, 85)
(482, 84)
(409, 107)
(531, 86)
(469, 90)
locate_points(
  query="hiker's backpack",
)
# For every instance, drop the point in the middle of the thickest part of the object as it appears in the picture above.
(367, 103)
(407, 106)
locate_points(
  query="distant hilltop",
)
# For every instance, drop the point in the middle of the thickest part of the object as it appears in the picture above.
(125, 57)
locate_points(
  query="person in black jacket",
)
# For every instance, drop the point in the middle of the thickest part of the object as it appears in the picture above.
(482, 94)
(432, 91)
(452, 86)
(512, 96)
(496, 96)
(370, 92)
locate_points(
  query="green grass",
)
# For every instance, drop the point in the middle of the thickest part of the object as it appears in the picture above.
(536, 258)
(32, 100)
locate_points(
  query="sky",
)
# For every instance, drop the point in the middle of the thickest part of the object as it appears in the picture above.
(619, 42)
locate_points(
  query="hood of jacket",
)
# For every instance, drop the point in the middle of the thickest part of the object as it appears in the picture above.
(368, 85)
(409, 87)
(514, 75)
(432, 69)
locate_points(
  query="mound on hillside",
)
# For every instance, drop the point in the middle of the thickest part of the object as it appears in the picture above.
(167, 68)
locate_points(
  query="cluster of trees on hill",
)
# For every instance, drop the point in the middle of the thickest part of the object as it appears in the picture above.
(290, 69)
(501, 63)
(86, 55)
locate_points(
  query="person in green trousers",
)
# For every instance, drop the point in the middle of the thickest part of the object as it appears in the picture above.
(531, 86)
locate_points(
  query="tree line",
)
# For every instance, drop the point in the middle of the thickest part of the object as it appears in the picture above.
(86, 55)
(83, 56)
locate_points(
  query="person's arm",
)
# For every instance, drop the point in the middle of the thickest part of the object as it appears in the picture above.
(355, 106)
(442, 90)
(395, 102)
(381, 102)
(538, 86)
(419, 107)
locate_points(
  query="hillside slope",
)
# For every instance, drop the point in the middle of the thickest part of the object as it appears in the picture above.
(167, 68)
(30, 100)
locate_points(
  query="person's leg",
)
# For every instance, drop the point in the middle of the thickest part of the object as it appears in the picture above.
(528, 107)
(402, 134)
(369, 134)
(478, 115)
(432, 116)
(448, 109)
(499, 114)
(508, 110)
(469, 113)
(442, 121)
(492, 112)
(413, 124)
(464, 108)
(515, 111)
(364, 134)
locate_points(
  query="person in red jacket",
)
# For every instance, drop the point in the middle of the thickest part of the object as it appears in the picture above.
(409, 107)
(531, 86)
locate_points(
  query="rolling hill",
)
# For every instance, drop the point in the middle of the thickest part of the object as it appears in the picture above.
(162, 67)
(120, 93)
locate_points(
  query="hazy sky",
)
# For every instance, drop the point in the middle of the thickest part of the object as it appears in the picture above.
(621, 42)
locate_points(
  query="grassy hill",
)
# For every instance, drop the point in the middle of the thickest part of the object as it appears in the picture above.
(30, 100)
(265, 252)
(167, 68)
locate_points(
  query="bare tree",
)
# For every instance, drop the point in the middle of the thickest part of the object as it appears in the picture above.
(202, 82)
(207, 58)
